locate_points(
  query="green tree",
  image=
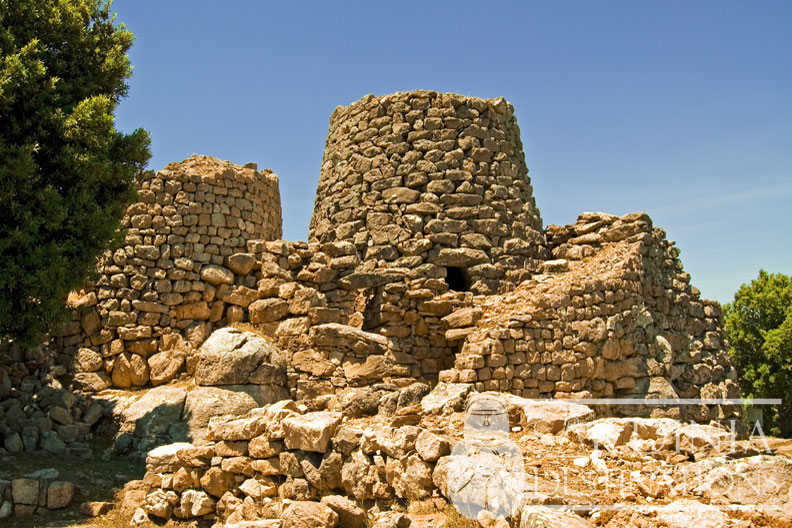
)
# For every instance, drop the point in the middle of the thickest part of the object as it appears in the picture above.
(759, 329)
(66, 173)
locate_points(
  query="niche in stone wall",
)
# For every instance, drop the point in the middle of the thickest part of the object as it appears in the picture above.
(457, 279)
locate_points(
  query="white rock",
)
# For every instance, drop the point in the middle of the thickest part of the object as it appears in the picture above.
(312, 431)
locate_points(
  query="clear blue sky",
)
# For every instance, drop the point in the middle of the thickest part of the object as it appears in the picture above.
(682, 109)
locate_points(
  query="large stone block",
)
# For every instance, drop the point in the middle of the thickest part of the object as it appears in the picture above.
(233, 357)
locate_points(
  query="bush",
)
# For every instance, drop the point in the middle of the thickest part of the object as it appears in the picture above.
(66, 173)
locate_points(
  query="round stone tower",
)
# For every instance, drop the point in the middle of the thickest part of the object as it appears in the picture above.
(425, 177)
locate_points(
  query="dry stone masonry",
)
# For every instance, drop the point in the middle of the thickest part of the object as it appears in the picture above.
(426, 261)
(184, 268)
(289, 384)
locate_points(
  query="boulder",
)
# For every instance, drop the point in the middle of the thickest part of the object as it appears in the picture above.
(364, 477)
(394, 442)
(358, 402)
(552, 416)
(160, 503)
(758, 480)
(544, 517)
(686, 513)
(267, 310)
(87, 360)
(350, 515)
(410, 477)
(217, 482)
(241, 263)
(234, 357)
(391, 519)
(446, 398)
(243, 428)
(129, 370)
(430, 446)
(152, 415)
(92, 381)
(308, 514)
(606, 433)
(59, 495)
(197, 503)
(323, 473)
(204, 403)
(164, 366)
(25, 491)
(311, 431)
(374, 368)
(462, 318)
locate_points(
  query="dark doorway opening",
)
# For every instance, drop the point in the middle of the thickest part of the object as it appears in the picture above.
(456, 279)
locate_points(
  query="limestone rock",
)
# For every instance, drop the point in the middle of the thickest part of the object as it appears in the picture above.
(164, 366)
(363, 478)
(763, 479)
(446, 398)
(543, 517)
(553, 416)
(160, 503)
(217, 482)
(216, 275)
(243, 428)
(87, 360)
(130, 370)
(374, 368)
(430, 446)
(462, 318)
(334, 334)
(686, 513)
(152, 415)
(307, 514)
(197, 503)
(391, 519)
(205, 403)
(410, 477)
(232, 357)
(311, 431)
(241, 263)
(606, 433)
(350, 515)
(267, 310)
(92, 381)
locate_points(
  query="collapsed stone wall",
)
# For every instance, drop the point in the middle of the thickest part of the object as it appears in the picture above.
(425, 177)
(183, 270)
(343, 469)
(615, 317)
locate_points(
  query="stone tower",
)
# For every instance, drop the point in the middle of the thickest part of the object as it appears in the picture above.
(425, 177)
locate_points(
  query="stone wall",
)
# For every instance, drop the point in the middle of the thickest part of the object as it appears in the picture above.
(183, 270)
(615, 317)
(425, 177)
(426, 260)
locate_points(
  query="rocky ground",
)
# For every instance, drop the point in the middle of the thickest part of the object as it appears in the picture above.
(609, 472)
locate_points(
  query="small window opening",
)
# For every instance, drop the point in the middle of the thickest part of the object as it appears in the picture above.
(456, 280)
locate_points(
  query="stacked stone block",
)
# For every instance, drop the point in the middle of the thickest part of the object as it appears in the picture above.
(423, 177)
(183, 270)
(614, 317)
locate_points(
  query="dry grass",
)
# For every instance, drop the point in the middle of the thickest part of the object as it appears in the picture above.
(97, 479)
